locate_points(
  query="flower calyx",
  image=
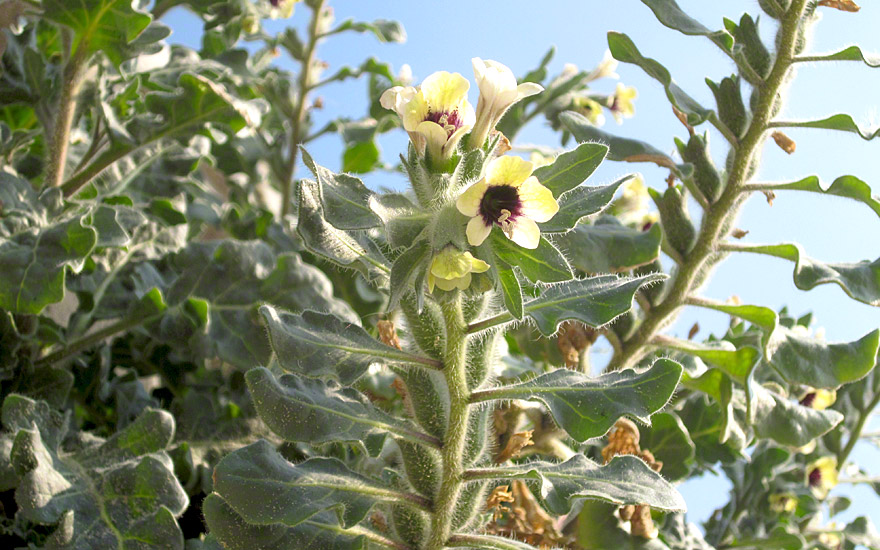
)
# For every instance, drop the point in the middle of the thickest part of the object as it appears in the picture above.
(451, 269)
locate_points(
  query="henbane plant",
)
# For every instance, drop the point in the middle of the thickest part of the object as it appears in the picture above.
(201, 350)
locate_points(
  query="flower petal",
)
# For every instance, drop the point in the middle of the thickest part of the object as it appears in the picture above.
(527, 89)
(477, 265)
(468, 203)
(434, 134)
(508, 170)
(413, 109)
(525, 232)
(477, 231)
(445, 91)
(537, 201)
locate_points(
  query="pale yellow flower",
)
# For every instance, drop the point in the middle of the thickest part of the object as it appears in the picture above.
(282, 9)
(452, 268)
(591, 109)
(818, 399)
(822, 476)
(437, 114)
(830, 540)
(498, 91)
(783, 502)
(511, 198)
(605, 68)
(621, 103)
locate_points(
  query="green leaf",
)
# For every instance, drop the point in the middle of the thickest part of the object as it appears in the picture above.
(731, 108)
(852, 53)
(671, 15)
(860, 281)
(748, 39)
(581, 202)
(840, 122)
(624, 480)
(787, 422)
(594, 301)
(236, 533)
(196, 102)
(623, 49)
(571, 168)
(669, 441)
(599, 529)
(108, 26)
(345, 199)
(850, 187)
(229, 280)
(619, 149)
(586, 406)
(360, 158)
(737, 362)
(405, 269)
(384, 30)
(323, 345)
(403, 221)
(544, 263)
(346, 249)
(512, 292)
(313, 411)
(88, 488)
(265, 489)
(608, 246)
(862, 531)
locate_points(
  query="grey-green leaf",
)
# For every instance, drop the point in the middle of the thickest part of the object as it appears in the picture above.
(839, 122)
(324, 346)
(624, 480)
(544, 263)
(849, 187)
(852, 53)
(581, 202)
(345, 199)
(860, 281)
(669, 441)
(571, 168)
(787, 422)
(671, 15)
(607, 246)
(265, 489)
(586, 406)
(315, 411)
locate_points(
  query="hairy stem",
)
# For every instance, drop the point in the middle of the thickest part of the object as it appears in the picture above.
(718, 218)
(66, 108)
(91, 339)
(856, 433)
(455, 364)
(298, 128)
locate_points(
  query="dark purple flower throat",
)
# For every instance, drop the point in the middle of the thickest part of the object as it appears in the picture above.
(500, 204)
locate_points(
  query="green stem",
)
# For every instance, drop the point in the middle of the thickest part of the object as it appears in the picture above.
(298, 129)
(718, 219)
(91, 339)
(66, 108)
(455, 364)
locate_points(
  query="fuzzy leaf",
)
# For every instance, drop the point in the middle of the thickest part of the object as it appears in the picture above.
(850, 187)
(581, 202)
(314, 411)
(852, 53)
(787, 422)
(669, 441)
(671, 15)
(860, 281)
(323, 345)
(108, 26)
(265, 489)
(544, 264)
(586, 406)
(624, 480)
(345, 199)
(88, 489)
(512, 292)
(404, 271)
(623, 49)
(383, 29)
(839, 122)
(594, 301)
(571, 168)
(607, 246)
(235, 533)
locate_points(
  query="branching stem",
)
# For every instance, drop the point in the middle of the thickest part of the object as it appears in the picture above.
(718, 219)
(65, 110)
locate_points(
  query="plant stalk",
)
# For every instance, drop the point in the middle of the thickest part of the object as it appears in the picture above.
(856, 433)
(65, 110)
(718, 218)
(455, 364)
(91, 339)
(298, 122)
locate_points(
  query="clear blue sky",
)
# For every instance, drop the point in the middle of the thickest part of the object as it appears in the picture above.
(446, 35)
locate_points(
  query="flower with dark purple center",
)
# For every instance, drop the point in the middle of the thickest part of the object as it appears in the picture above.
(511, 198)
(822, 476)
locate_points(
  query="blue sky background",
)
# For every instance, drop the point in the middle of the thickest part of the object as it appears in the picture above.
(446, 35)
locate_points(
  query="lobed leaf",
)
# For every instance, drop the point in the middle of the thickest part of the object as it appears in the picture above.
(580, 202)
(544, 263)
(588, 407)
(383, 29)
(860, 281)
(345, 199)
(323, 345)
(624, 480)
(852, 53)
(314, 411)
(669, 441)
(607, 246)
(623, 49)
(849, 187)
(839, 122)
(787, 422)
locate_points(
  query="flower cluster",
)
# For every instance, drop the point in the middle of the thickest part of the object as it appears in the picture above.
(440, 120)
